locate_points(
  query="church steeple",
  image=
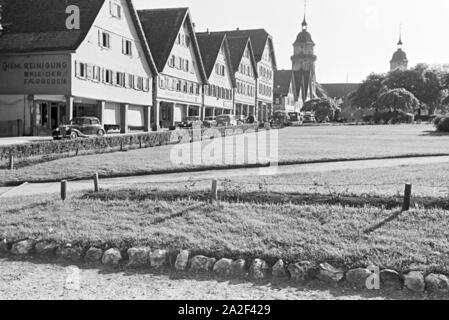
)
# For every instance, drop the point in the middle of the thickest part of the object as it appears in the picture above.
(304, 21)
(303, 61)
(400, 37)
(399, 60)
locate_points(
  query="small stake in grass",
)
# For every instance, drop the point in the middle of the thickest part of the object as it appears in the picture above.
(96, 183)
(11, 161)
(63, 190)
(407, 197)
(214, 192)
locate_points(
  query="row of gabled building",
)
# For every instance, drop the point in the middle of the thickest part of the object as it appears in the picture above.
(140, 69)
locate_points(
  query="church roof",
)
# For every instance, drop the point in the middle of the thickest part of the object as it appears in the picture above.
(399, 56)
(303, 38)
(339, 90)
(282, 81)
(302, 82)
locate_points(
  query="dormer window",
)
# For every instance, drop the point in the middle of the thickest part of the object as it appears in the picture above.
(116, 10)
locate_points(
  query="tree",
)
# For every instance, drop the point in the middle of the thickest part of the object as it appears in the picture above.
(397, 100)
(423, 81)
(324, 109)
(369, 91)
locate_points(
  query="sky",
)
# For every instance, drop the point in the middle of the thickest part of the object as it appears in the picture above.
(353, 37)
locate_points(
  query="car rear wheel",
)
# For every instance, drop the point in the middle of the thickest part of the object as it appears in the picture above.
(100, 133)
(73, 135)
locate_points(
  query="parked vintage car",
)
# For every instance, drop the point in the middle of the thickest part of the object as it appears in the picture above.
(281, 118)
(241, 119)
(295, 119)
(80, 127)
(226, 120)
(308, 117)
(210, 122)
(190, 122)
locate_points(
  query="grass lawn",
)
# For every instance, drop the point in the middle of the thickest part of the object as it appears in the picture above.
(430, 180)
(427, 180)
(295, 144)
(417, 240)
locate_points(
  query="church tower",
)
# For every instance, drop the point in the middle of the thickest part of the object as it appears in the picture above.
(399, 60)
(303, 61)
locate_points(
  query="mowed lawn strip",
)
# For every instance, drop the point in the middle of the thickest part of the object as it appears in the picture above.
(429, 180)
(302, 144)
(417, 240)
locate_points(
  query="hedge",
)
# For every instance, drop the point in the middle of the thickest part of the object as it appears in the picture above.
(107, 143)
(442, 124)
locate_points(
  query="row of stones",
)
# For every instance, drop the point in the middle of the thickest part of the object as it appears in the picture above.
(258, 269)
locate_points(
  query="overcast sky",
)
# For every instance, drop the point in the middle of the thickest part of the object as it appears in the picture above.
(353, 37)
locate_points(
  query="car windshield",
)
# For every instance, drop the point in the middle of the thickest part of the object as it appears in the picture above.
(224, 118)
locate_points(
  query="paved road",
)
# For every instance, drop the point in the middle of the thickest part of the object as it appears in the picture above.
(51, 188)
(42, 280)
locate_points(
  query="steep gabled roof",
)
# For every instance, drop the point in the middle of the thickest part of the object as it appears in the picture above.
(142, 38)
(259, 39)
(161, 28)
(302, 81)
(282, 81)
(210, 45)
(40, 25)
(237, 48)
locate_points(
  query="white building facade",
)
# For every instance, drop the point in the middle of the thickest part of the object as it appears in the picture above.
(105, 72)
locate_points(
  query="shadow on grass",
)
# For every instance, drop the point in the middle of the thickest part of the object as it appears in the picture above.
(356, 201)
(308, 288)
(435, 133)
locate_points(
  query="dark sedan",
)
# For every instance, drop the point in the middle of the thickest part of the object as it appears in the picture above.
(80, 127)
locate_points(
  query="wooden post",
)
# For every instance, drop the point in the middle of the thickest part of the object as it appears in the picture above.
(407, 197)
(96, 183)
(214, 192)
(63, 190)
(140, 142)
(121, 145)
(11, 161)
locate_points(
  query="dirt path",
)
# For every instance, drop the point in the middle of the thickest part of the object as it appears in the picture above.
(41, 280)
(50, 188)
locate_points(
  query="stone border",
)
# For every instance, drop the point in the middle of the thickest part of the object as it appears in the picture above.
(256, 269)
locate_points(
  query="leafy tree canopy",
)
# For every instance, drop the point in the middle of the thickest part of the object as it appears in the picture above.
(325, 109)
(397, 100)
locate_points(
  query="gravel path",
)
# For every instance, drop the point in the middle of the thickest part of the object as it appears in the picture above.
(42, 280)
(51, 188)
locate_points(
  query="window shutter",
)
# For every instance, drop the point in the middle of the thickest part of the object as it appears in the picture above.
(146, 85)
(77, 71)
(99, 38)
